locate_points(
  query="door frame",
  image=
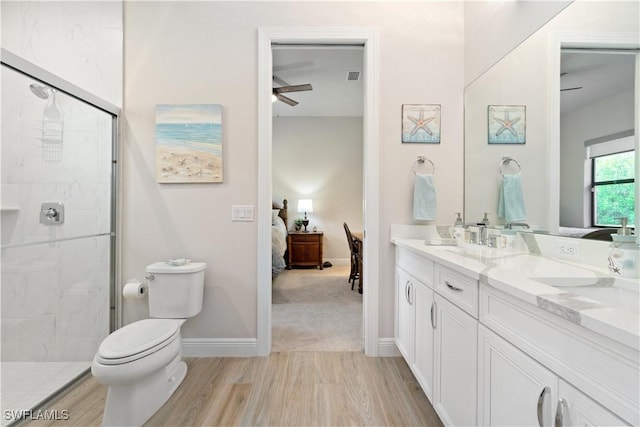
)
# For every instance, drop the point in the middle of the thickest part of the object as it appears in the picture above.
(368, 37)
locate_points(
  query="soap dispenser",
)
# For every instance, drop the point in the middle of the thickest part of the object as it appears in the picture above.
(624, 255)
(457, 230)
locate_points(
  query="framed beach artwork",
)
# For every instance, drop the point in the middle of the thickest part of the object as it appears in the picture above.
(507, 124)
(189, 143)
(421, 123)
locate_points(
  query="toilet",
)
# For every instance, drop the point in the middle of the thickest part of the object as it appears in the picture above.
(141, 363)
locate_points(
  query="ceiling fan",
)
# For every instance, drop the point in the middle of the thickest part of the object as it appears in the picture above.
(569, 88)
(287, 88)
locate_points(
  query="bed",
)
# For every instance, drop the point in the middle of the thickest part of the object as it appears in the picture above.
(279, 224)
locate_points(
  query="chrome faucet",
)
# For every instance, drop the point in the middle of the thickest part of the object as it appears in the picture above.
(482, 234)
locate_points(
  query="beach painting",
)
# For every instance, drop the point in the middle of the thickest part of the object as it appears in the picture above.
(189, 143)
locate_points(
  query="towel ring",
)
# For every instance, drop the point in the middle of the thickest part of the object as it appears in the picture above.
(420, 161)
(505, 161)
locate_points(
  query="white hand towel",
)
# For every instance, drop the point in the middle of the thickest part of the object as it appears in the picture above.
(511, 202)
(424, 197)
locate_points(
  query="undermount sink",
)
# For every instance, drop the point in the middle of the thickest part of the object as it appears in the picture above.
(609, 291)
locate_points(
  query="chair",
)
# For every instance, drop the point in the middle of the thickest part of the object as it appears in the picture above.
(602, 234)
(354, 274)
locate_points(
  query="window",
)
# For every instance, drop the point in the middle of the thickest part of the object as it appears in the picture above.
(613, 189)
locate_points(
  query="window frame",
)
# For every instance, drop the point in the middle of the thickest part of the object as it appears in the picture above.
(595, 183)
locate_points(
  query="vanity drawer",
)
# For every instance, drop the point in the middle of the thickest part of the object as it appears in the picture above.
(419, 267)
(457, 288)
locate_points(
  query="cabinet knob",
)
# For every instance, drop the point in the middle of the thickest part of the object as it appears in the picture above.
(541, 405)
(560, 412)
(452, 287)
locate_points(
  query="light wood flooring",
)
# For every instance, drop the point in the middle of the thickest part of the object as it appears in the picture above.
(284, 389)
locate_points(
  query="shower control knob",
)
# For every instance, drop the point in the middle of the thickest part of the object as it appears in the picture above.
(51, 213)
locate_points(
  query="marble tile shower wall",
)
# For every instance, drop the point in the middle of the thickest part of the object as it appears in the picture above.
(55, 292)
(79, 41)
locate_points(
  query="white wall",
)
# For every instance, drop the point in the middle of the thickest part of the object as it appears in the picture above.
(522, 78)
(321, 158)
(493, 28)
(608, 116)
(207, 52)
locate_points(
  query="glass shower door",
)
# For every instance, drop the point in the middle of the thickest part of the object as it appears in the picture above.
(56, 236)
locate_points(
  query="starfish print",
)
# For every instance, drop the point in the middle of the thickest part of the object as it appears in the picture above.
(507, 124)
(421, 123)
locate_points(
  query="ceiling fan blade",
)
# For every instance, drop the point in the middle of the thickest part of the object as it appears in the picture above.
(279, 81)
(571, 88)
(293, 88)
(286, 100)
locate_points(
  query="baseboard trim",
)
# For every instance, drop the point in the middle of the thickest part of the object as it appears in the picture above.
(387, 348)
(248, 347)
(219, 347)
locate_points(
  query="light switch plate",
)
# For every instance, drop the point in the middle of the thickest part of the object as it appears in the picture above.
(241, 213)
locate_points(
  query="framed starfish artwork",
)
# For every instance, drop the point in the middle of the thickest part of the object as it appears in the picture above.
(506, 124)
(421, 123)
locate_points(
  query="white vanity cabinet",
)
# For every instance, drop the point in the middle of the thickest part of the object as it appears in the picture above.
(437, 338)
(588, 378)
(404, 314)
(515, 390)
(425, 312)
(455, 364)
(488, 350)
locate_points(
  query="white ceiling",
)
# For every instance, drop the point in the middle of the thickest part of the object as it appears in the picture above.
(599, 74)
(325, 68)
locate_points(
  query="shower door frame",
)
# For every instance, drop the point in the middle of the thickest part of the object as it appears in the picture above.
(32, 70)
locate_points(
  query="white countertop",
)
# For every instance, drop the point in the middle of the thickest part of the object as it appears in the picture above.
(610, 309)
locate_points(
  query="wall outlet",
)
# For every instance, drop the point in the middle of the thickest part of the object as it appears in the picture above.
(568, 250)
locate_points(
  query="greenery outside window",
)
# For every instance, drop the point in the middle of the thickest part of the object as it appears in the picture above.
(613, 189)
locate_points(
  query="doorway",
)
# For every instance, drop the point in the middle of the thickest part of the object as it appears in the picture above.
(317, 158)
(368, 38)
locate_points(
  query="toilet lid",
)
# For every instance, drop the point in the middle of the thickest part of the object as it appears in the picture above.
(138, 339)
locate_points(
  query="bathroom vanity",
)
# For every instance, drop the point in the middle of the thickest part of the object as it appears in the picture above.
(500, 337)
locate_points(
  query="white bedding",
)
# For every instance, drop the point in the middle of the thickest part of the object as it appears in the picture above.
(278, 245)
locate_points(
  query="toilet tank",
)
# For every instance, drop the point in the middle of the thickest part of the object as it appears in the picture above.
(176, 291)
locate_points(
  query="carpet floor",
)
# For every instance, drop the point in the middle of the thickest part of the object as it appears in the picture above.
(316, 310)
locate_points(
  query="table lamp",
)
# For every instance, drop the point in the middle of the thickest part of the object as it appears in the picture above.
(305, 205)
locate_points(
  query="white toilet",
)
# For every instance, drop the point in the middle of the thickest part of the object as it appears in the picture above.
(141, 363)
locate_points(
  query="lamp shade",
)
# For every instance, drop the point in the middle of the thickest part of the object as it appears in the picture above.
(305, 205)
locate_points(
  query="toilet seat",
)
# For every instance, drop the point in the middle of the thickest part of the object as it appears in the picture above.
(138, 340)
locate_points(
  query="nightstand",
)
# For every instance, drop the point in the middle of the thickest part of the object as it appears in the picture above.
(305, 249)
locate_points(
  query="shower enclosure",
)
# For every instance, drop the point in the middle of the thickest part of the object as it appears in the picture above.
(57, 233)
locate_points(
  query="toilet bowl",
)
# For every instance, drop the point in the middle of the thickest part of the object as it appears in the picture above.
(141, 363)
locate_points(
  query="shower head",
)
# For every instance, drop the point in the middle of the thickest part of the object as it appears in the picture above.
(39, 90)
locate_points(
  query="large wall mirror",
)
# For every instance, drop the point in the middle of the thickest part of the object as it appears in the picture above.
(571, 87)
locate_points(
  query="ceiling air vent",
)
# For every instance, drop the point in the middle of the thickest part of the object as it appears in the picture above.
(353, 76)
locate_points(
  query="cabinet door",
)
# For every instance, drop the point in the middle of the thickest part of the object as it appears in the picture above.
(424, 332)
(455, 368)
(574, 408)
(404, 315)
(513, 389)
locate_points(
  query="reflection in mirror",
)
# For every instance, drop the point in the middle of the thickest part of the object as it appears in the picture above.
(530, 76)
(597, 160)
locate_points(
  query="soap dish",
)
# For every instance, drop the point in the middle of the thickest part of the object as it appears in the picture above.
(179, 261)
(441, 242)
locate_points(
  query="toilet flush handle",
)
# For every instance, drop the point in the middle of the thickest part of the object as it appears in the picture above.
(149, 277)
